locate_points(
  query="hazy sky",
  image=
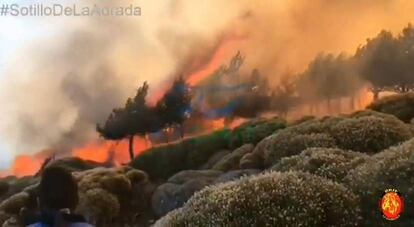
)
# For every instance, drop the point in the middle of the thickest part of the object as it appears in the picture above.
(17, 33)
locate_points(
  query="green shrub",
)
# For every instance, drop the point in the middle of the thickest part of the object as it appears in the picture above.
(401, 106)
(251, 161)
(203, 147)
(98, 203)
(253, 132)
(370, 134)
(332, 163)
(232, 160)
(371, 113)
(390, 169)
(161, 162)
(287, 143)
(322, 125)
(164, 161)
(109, 195)
(272, 199)
(301, 120)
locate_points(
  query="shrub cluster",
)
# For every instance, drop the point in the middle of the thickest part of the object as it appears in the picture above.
(332, 163)
(301, 120)
(271, 199)
(21, 195)
(179, 188)
(370, 134)
(287, 143)
(164, 161)
(106, 194)
(322, 125)
(254, 131)
(232, 160)
(401, 106)
(390, 169)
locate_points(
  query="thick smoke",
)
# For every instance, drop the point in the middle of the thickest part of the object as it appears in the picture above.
(59, 89)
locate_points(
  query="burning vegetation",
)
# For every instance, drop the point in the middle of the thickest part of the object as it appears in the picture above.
(205, 100)
(233, 123)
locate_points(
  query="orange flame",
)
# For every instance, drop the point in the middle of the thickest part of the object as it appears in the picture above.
(224, 52)
(100, 151)
(226, 49)
(25, 165)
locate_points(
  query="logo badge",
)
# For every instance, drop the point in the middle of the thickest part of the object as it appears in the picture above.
(391, 204)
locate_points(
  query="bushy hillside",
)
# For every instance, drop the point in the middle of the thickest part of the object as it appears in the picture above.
(163, 162)
(401, 106)
(272, 199)
(327, 171)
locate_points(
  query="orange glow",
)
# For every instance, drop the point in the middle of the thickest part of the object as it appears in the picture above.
(225, 51)
(94, 151)
(100, 151)
(25, 165)
(157, 95)
(221, 123)
(218, 124)
(366, 98)
(234, 124)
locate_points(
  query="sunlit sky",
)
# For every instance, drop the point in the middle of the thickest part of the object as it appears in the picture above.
(15, 34)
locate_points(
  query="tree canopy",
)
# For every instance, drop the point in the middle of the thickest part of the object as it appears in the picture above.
(133, 119)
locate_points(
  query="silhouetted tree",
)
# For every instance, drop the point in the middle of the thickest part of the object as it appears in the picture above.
(406, 43)
(134, 119)
(283, 96)
(386, 61)
(326, 78)
(175, 105)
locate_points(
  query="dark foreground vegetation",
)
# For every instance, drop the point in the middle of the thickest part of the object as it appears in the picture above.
(311, 172)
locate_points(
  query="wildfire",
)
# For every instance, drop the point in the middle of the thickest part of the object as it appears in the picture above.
(117, 152)
(25, 165)
(98, 151)
(221, 123)
(366, 97)
(226, 49)
(101, 151)
(223, 53)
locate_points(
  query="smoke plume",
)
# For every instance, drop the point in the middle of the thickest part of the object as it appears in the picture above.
(58, 89)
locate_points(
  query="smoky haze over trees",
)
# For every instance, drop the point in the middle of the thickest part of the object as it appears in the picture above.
(384, 62)
(328, 78)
